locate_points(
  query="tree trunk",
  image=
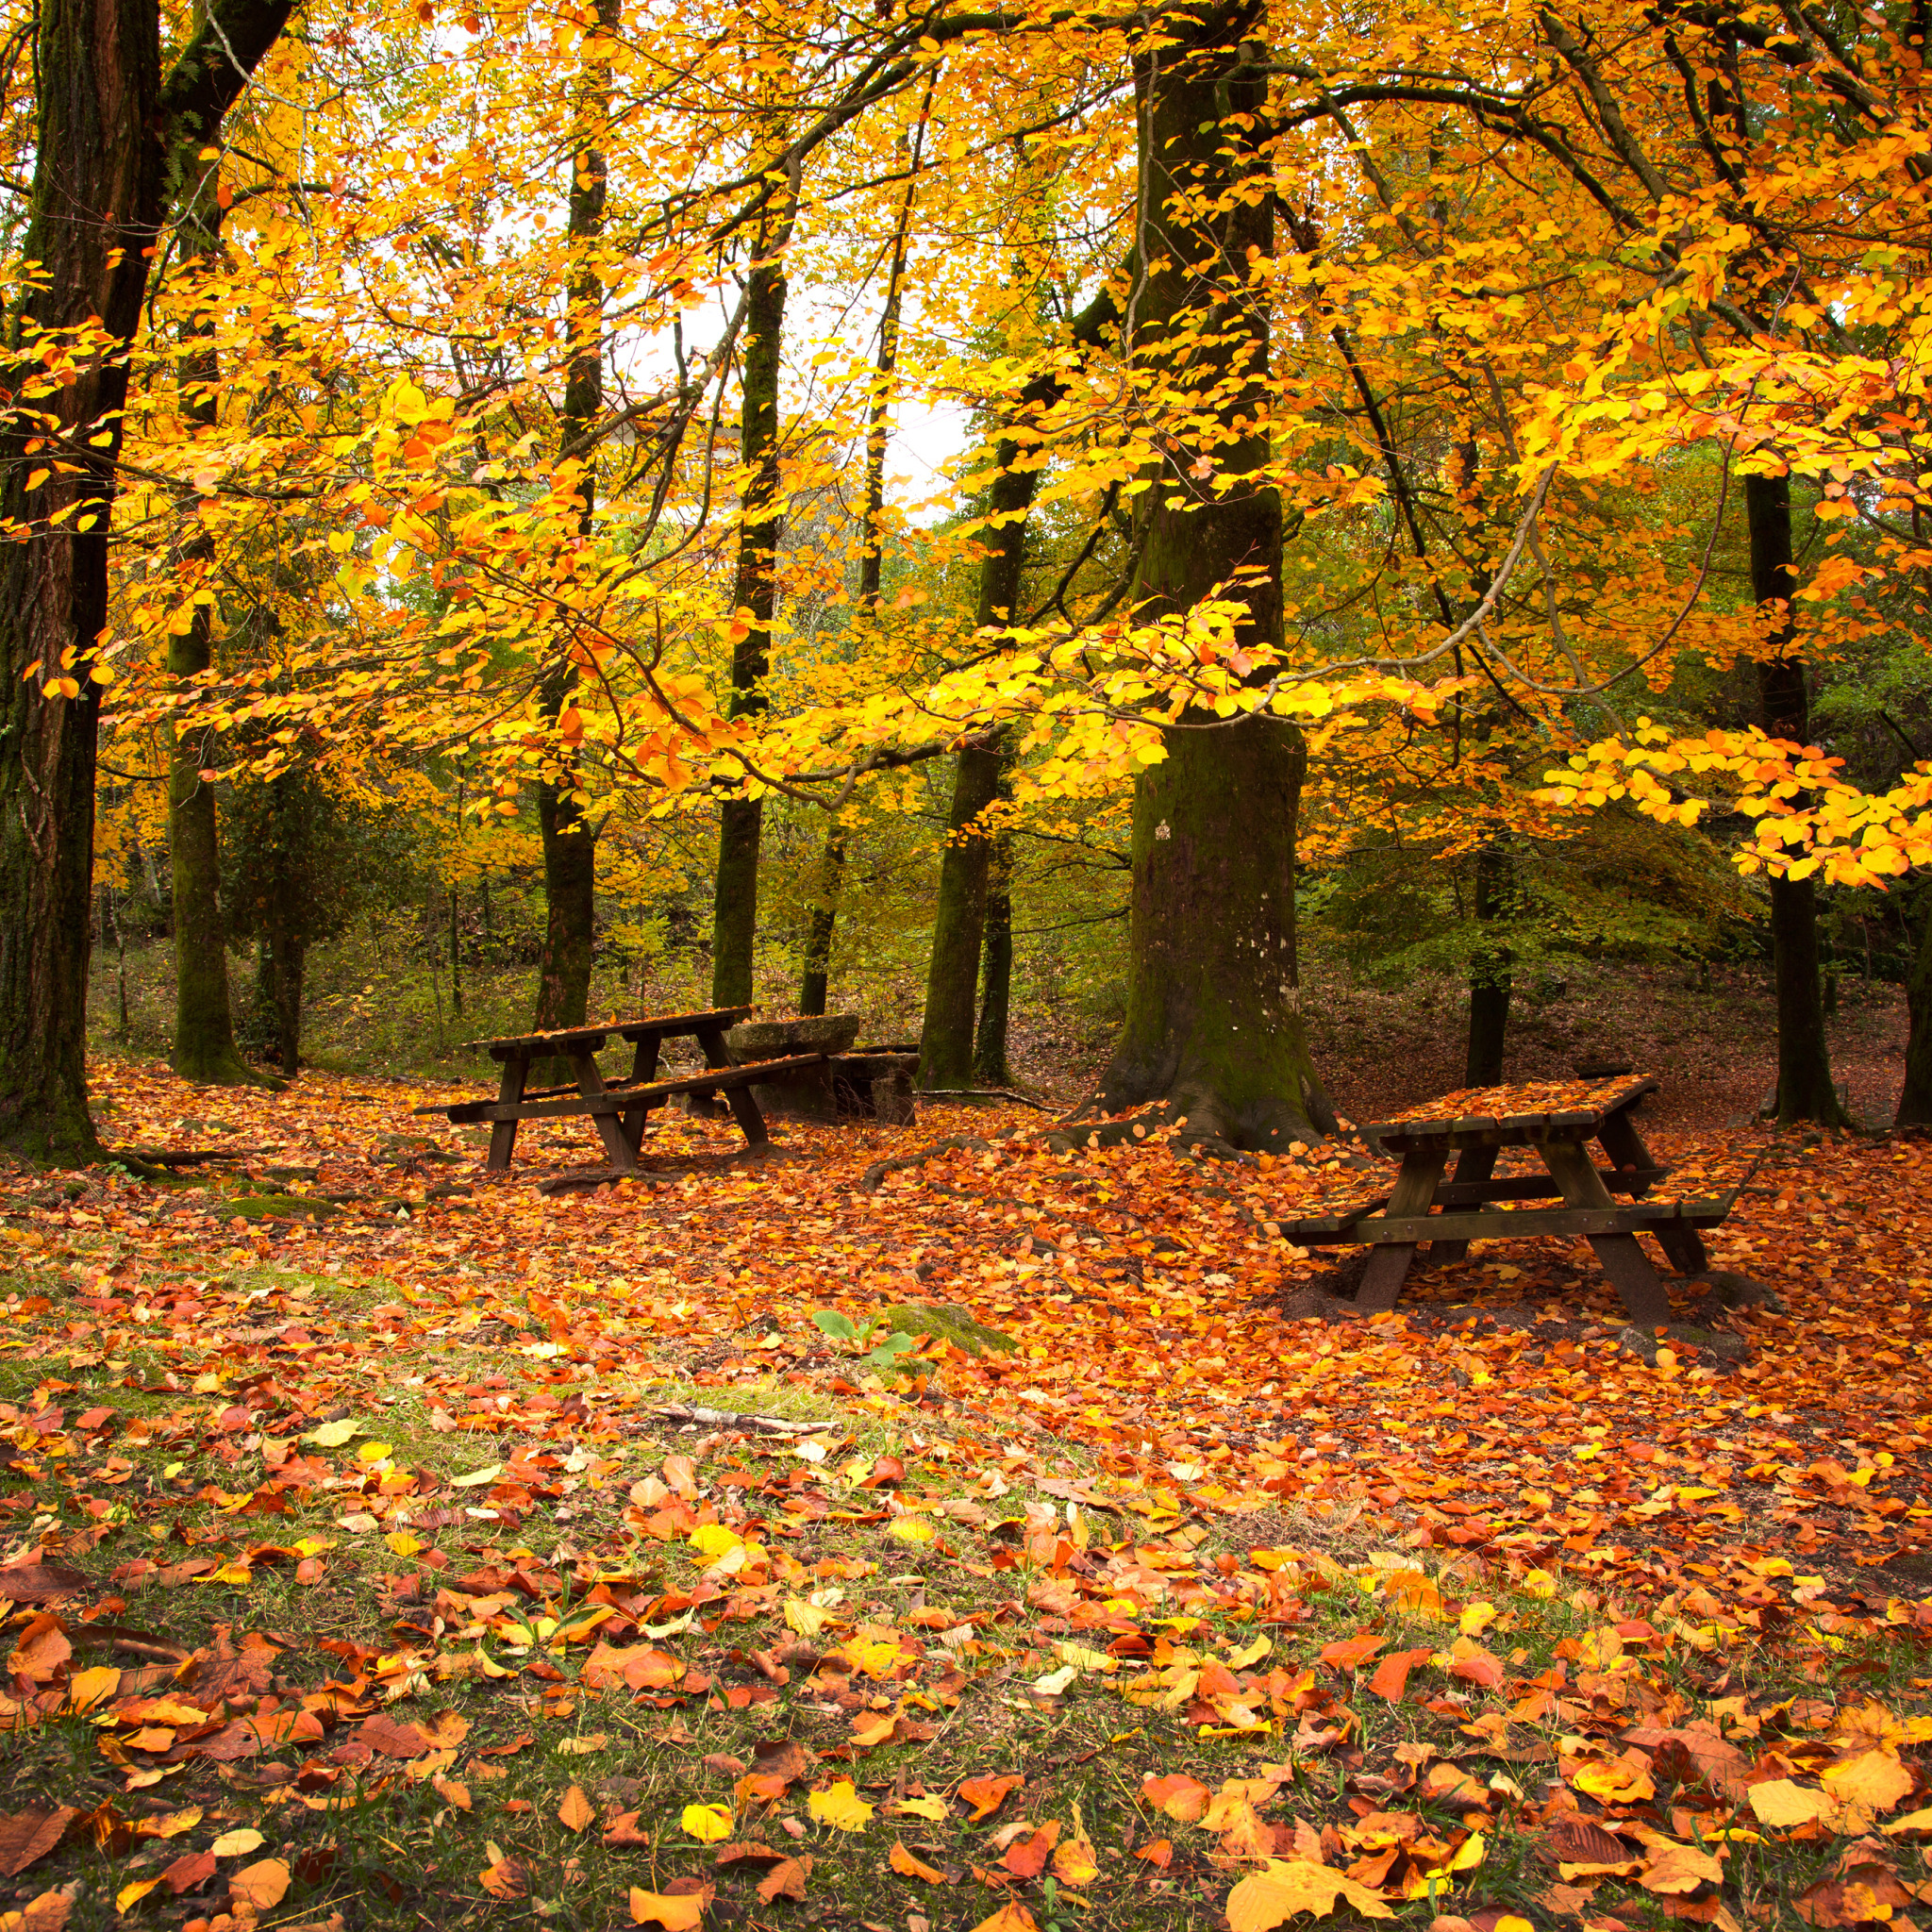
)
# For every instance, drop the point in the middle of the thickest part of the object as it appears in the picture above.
(1915, 1100)
(814, 984)
(1213, 1027)
(205, 1050)
(824, 914)
(735, 904)
(1489, 971)
(989, 1067)
(1804, 1088)
(569, 841)
(95, 202)
(104, 127)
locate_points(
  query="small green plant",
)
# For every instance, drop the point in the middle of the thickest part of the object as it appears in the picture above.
(857, 1340)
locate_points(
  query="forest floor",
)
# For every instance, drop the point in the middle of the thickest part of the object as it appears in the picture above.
(396, 1545)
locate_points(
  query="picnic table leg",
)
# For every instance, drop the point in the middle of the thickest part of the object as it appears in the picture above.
(744, 1108)
(609, 1129)
(1625, 1145)
(503, 1135)
(1626, 1264)
(1471, 1165)
(643, 1065)
(1415, 1187)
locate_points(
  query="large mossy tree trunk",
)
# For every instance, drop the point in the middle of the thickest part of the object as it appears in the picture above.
(205, 1050)
(96, 204)
(570, 840)
(755, 596)
(815, 982)
(1489, 971)
(1213, 1027)
(1915, 1098)
(1804, 1088)
(107, 129)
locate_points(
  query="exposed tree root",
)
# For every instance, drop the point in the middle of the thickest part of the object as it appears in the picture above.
(952, 1144)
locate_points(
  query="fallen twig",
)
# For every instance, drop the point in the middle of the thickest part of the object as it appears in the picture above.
(736, 1419)
(983, 1093)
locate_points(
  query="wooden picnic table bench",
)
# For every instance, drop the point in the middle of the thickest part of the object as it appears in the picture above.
(1558, 1119)
(618, 1106)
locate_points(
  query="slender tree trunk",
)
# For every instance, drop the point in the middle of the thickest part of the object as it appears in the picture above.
(1805, 1086)
(1213, 1026)
(106, 125)
(755, 591)
(1915, 1100)
(1489, 971)
(824, 914)
(989, 1067)
(569, 841)
(205, 1050)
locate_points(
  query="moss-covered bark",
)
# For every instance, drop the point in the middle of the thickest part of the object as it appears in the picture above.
(1213, 1026)
(1804, 1088)
(816, 980)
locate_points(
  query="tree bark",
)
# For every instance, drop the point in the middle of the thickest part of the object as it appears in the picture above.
(107, 127)
(1804, 1088)
(989, 1067)
(755, 596)
(952, 983)
(569, 840)
(816, 980)
(205, 1050)
(1213, 1027)
(1915, 1099)
(1489, 971)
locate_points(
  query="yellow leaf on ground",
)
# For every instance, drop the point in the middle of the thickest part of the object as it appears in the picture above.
(576, 1810)
(1781, 1803)
(87, 1687)
(332, 1435)
(911, 1529)
(710, 1824)
(132, 1894)
(1874, 1780)
(674, 1914)
(1913, 1820)
(840, 1806)
(231, 1845)
(1681, 1869)
(1265, 1899)
(931, 1808)
(261, 1886)
(1073, 1862)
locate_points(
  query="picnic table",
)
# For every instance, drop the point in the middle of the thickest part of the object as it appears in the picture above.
(1560, 1120)
(618, 1106)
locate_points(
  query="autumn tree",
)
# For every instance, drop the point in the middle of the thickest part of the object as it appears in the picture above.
(112, 146)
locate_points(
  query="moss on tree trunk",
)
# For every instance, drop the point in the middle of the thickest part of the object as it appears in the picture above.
(1213, 1026)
